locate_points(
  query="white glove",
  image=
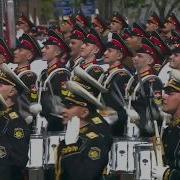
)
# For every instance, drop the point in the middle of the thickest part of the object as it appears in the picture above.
(35, 108)
(72, 132)
(158, 172)
(41, 122)
(132, 114)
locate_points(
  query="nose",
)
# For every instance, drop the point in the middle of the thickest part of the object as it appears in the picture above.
(83, 46)
(105, 52)
(43, 50)
(164, 96)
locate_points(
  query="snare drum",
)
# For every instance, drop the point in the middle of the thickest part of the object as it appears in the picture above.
(36, 151)
(144, 161)
(122, 154)
(51, 143)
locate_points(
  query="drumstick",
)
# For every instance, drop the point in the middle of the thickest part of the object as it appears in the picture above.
(158, 146)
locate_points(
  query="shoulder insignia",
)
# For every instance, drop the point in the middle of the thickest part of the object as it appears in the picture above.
(83, 130)
(152, 80)
(97, 120)
(122, 73)
(94, 153)
(92, 135)
(145, 73)
(69, 150)
(13, 115)
(2, 152)
(18, 133)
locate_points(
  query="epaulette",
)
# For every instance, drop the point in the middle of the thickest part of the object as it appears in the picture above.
(175, 122)
(70, 149)
(52, 68)
(92, 135)
(22, 69)
(2, 113)
(13, 115)
(96, 120)
(83, 130)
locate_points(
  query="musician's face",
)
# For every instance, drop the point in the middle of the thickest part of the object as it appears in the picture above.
(116, 27)
(68, 113)
(22, 55)
(75, 46)
(22, 25)
(171, 102)
(112, 55)
(66, 27)
(99, 29)
(168, 26)
(6, 90)
(49, 52)
(150, 26)
(88, 50)
(174, 61)
(135, 42)
(142, 60)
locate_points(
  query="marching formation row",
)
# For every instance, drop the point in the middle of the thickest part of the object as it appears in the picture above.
(88, 100)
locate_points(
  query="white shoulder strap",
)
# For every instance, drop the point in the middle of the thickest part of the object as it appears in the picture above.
(53, 73)
(25, 72)
(144, 79)
(111, 75)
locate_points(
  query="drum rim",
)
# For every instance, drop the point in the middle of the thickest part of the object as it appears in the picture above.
(139, 139)
(143, 146)
(54, 133)
(36, 135)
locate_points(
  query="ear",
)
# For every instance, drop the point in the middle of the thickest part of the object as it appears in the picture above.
(57, 52)
(96, 49)
(120, 55)
(29, 55)
(150, 60)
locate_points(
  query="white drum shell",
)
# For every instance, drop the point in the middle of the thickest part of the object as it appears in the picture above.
(122, 154)
(145, 160)
(36, 151)
(51, 143)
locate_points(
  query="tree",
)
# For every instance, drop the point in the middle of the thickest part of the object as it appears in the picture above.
(47, 10)
(165, 7)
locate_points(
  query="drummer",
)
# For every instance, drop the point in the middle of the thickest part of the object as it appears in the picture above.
(14, 132)
(171, 136)
(84, 153)
(174, 61)
(149, 92)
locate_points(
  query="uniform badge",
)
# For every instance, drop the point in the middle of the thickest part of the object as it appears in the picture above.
(18, 133)
(69, 150)
(97, 120)
(94, 153)
(92, 135)
(2, 152)
(83, 130)
(13, 115)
